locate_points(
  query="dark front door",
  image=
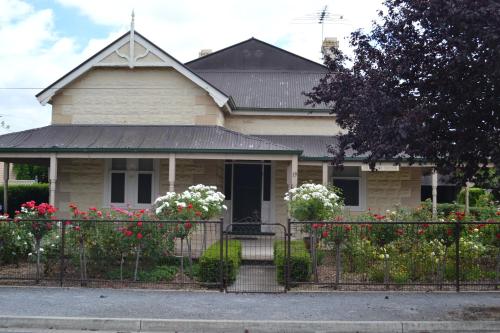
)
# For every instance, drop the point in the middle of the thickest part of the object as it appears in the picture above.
(247, 194)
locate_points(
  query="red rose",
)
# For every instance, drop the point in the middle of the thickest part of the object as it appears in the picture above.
(93, 209)
(420, 232)
(76, 227)
(187, 225)
(139, 224)
(197, 213)
(399, 232)
(348, 227)
(190, 206)
(139, 235)
(325, 234)
(315, 226)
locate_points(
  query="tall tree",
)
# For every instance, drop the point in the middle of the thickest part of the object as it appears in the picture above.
(422, 85)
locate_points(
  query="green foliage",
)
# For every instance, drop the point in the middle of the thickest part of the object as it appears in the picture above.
(474, 194)
(209, 262)
(157, 274)
(15, 242)
(19, 194)
(300, 261)
(31, 172)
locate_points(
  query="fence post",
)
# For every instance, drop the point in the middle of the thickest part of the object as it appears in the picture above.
(221, 255)
(457, 256)
(61, 254)
(288, 252)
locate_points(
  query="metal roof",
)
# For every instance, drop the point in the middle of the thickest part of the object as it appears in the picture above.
(132, 138)
(313, 147)
(254, 54)
(258, 75)
(265, 90)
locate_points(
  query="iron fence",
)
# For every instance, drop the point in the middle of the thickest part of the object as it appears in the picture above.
(109, 253)
(394, 255)
(448, 256)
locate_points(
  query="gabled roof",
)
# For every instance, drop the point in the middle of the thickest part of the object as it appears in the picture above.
(163, 59)
(261, 76)
(254, 55)
(138, 138)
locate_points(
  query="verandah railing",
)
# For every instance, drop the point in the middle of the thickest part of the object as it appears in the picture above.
(394, 255)
(109, 253)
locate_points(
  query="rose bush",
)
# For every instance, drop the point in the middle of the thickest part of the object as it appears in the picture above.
(313, 202)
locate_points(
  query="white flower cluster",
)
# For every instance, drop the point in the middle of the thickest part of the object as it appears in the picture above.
(310, 191)
(202, 197)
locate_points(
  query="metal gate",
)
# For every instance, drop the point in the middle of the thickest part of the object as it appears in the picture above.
(263, 265)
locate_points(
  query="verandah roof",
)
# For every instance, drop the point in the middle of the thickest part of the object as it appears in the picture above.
(166, 138)
(138, 138)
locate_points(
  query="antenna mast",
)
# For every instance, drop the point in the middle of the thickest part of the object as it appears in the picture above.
(324, 16)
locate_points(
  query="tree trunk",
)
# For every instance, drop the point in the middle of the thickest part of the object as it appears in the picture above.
(338, 264)
(314, 256)
(188, 242)
(442, 269)
(182, 259)
(137, 256)
(83, 263)
(386, 271)
(122, 260)
(497, 278)
(37, 248)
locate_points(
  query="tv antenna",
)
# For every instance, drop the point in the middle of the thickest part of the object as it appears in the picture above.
(323, 16)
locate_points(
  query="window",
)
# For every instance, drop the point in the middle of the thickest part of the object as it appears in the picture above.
(350, 181)
(131, 181)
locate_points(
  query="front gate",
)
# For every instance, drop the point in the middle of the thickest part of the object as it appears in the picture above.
(263, 264)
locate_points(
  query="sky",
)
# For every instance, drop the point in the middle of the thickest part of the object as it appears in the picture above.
(41, 40)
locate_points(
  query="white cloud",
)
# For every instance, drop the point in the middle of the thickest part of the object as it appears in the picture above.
(34, 54)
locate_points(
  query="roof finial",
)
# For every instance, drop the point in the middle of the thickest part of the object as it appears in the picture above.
(132, 21)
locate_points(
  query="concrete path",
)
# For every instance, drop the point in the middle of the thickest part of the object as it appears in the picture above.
(344, 306)
(256, 278)
(257, 249)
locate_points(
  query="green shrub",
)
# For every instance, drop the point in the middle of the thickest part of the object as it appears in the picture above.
(209, 262)
(19, 194)
(300, 261)
(157, 274)
(474, 194)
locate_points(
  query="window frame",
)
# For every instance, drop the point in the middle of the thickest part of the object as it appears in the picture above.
(361, 178)
(131, 184)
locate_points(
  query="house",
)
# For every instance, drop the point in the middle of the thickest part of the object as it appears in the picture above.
(132, 122)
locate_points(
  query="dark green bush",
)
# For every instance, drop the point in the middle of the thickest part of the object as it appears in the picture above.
(19, 194)
(474, 194)
(209, 262)
(300, 261)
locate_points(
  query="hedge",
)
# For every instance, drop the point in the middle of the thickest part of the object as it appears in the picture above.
(19, 194)
(446, 209)
(474, 194)
(210, 262)
(300, 261)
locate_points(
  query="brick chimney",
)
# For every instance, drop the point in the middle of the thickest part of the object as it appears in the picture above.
(204, 52)
(328, 43)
